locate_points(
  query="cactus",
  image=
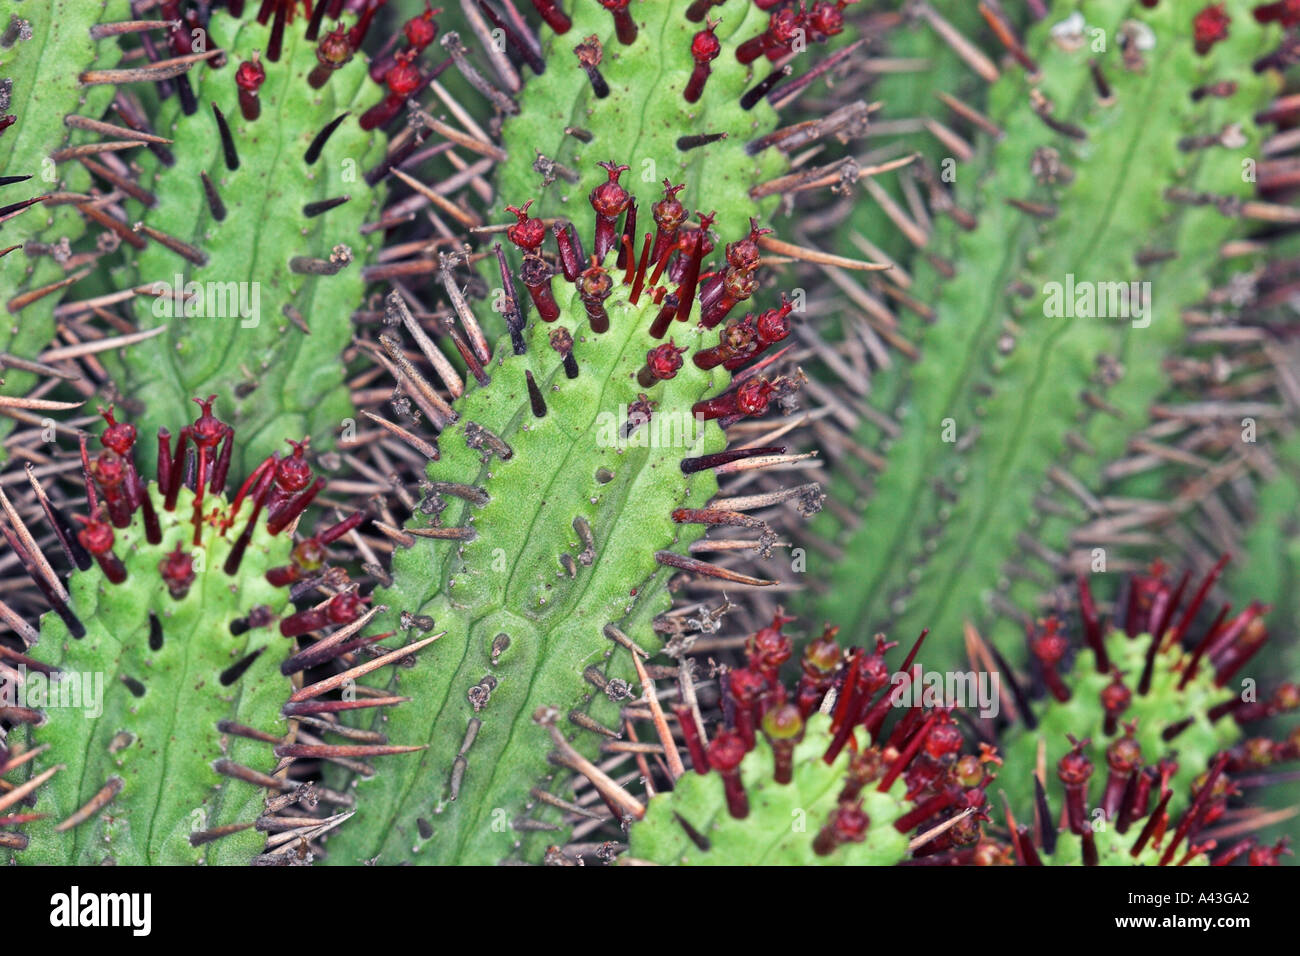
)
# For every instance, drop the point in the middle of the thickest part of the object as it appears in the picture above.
(915, 117)
(691, 825)
(1150, 699)
(274, 206)
(155, 687)
(1110, 839)
(41, 179)
(569, 459)
(1154, 711)
(612, 338)
(236, 230)
(634, 78)
(779, 787)
(1154, 672)
(565, 484)
(532, 592)
(1000, 404)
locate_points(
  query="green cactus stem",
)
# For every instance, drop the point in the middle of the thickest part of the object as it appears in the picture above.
(777, 785)
(1157, 698)
(1012, 397)
(1155, 716)
(45, 179)
(549, 537)
(566, 483)
(148, 706)
(645, 115)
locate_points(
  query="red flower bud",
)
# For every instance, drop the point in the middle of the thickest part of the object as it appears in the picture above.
(1210, 26)
(527, 233)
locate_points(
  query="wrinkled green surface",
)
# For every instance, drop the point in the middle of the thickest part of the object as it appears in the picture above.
(45, 72)
(783, 819)
(509, 580)
(170, 788)
(639, 123)
(298, 378)
(920, 560)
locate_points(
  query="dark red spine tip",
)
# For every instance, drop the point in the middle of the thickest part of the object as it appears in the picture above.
(287, 513)
(97, 538)
(624, 25)
(705, 48)
(536, 276)
(609, 200)
(783, 726)
(691, 736)
(332, 53)
(667, 312)
(848, 824)
(357, 35)
(589, 53)
(595, 286)
(422, 29)
(177, 570)
(1210, 26)
(527, 233)
(749, 399)
(556, 19)
(1073, 770)
(661, 363)
(726, 751)
(669, 214)
(570, 257)
(249, 79)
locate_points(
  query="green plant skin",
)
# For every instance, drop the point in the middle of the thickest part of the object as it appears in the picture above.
(169, 786)
(45, 72)
(783, 819)
(1082, 715)
(1113, 849)
(1114, 208)
(299, 378)
(640, 121)
(509, 580)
